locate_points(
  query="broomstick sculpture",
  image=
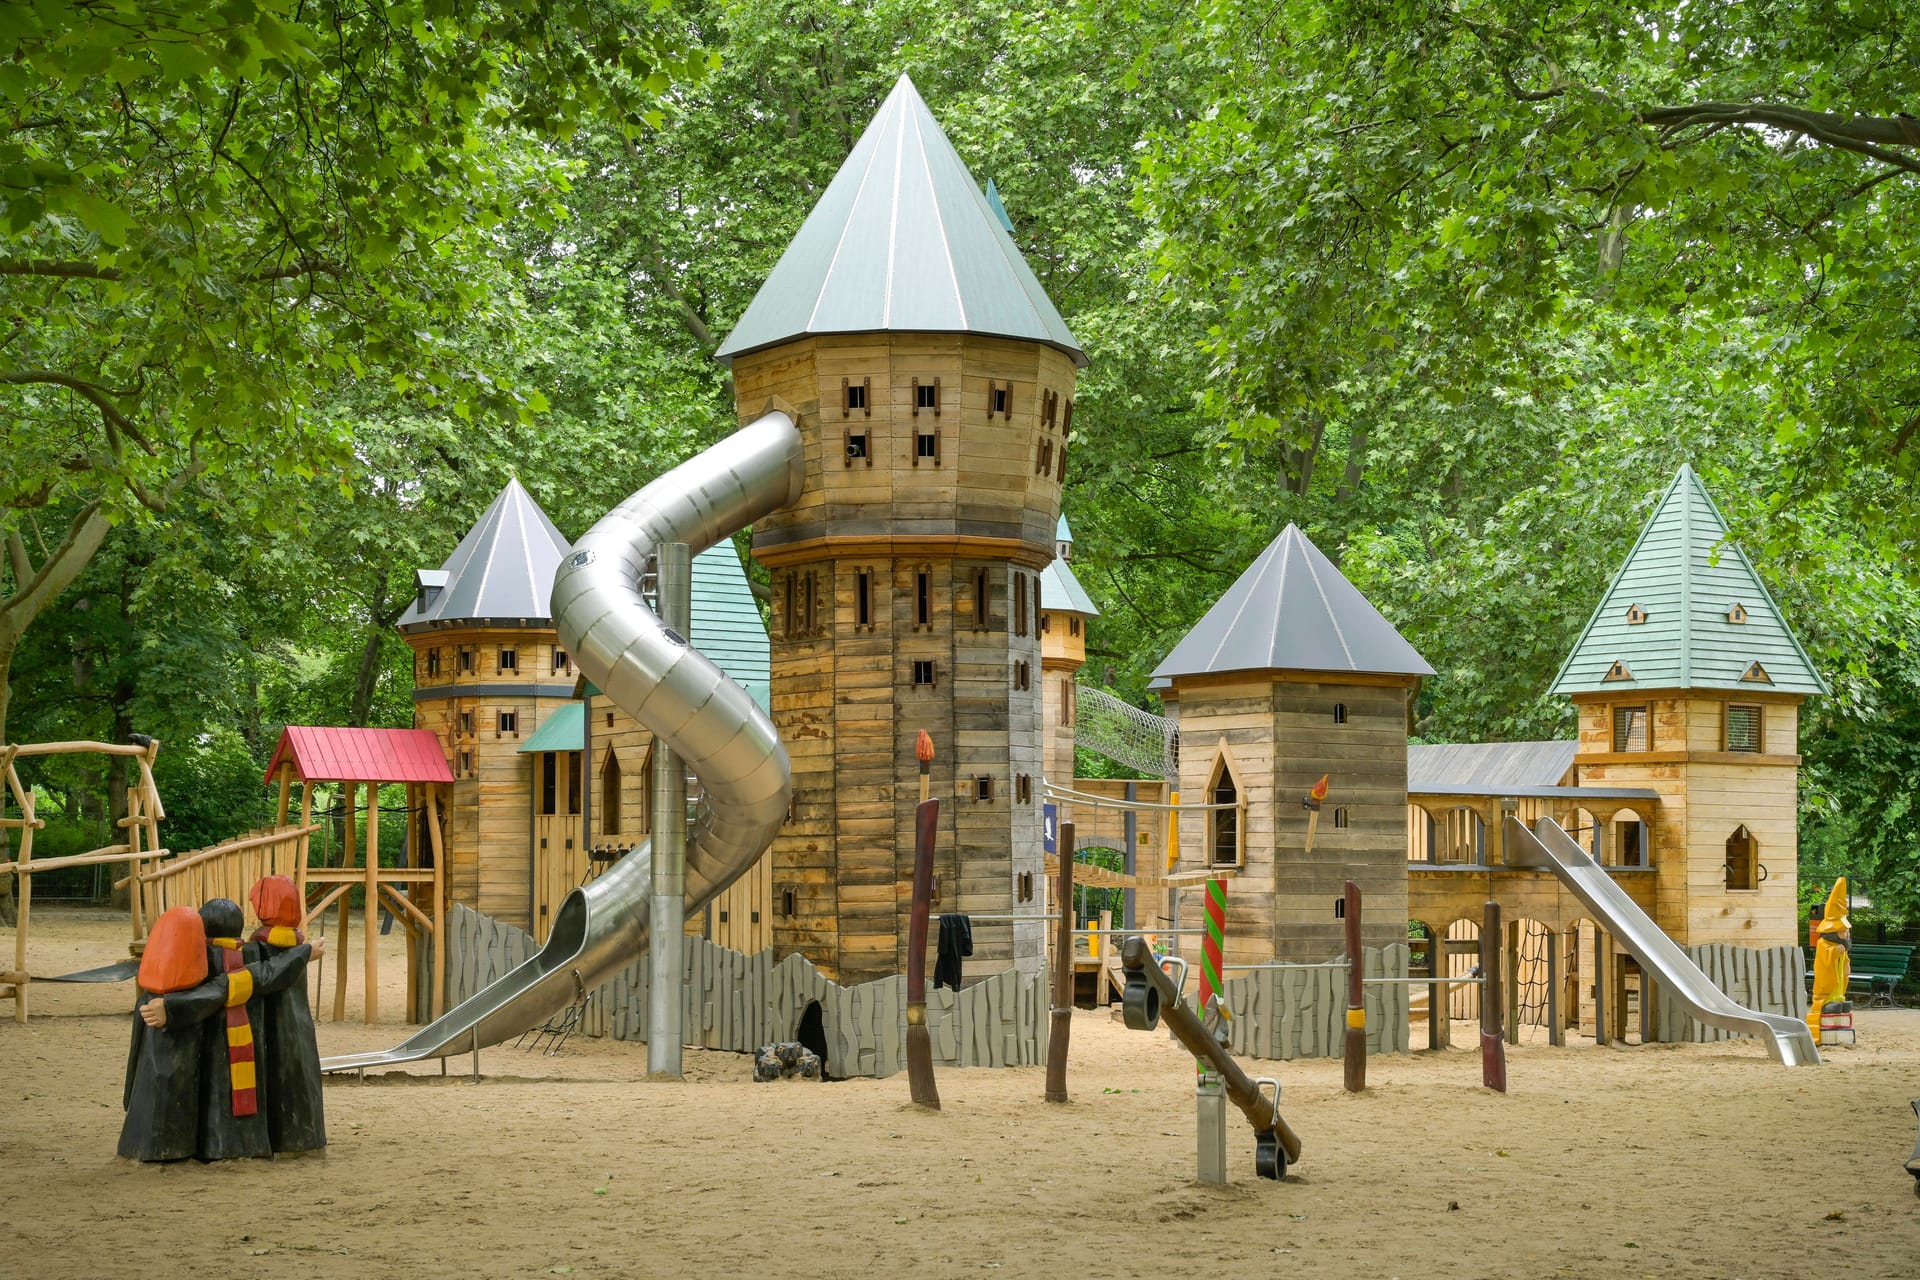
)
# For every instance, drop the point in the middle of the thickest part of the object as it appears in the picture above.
(920, 1082)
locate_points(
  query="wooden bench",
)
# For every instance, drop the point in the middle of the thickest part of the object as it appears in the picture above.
(1880, 967)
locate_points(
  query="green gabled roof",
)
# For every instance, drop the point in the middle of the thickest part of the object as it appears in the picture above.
(1687, 578)
(564, 729)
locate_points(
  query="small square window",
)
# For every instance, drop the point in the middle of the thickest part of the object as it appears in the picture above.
(509, 659)
(923, 671)
(858, 447)
(1339, 713)
(855, 395)
(1022, 676)
(466, 661)
(1000, 400)
(508, 722)
(926, 395)
(926, 447)
(983, 787)
(1629, 728)
(561, 662)
(786, 902)
(609, 719)
(1745, 728)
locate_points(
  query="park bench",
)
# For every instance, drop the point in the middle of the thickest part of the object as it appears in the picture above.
(1879, 966)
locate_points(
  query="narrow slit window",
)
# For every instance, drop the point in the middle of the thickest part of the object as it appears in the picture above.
(1745, 728)
(573, 782)
(1066, 421)
(1046, 624)
(1022, 676)
(922, 598)
(466, 722)
(433, 662)
(980, 601)
(983, 787)
(856, 395)
(1023, 789)
(1000, 400)
(1026, 886)
(466, 661)
(1036, 595)
(1049, 408)
(1019, 604)
(1342, 819)
(610, 795)
(466, 763)
(1339, 713)
(1043, 457)
(1073, 626)
(786, 615)
(561, 662)
(786, 902)
(923, 671)
(1060, 474)
(863, 598)
(549, 782)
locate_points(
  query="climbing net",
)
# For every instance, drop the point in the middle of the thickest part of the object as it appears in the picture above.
(1123, 732)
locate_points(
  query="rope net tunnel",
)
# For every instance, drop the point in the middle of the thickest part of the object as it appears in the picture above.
(1124, 733)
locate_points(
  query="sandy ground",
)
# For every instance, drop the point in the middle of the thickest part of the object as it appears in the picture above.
(1701, 1160)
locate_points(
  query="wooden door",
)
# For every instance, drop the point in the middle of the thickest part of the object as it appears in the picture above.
(559, 852)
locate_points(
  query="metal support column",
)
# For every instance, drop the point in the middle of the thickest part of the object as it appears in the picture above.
(667, 918)
(1210, 1127)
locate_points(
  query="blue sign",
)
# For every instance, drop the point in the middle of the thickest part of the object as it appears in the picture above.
(1050, 828)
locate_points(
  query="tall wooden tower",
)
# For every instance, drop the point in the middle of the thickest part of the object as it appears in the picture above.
(1065, 610)
(1688, 681)
(933, 382)
(1293, 674)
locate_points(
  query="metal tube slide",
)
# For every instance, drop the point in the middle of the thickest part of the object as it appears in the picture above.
(1549, 848)
(652, 673)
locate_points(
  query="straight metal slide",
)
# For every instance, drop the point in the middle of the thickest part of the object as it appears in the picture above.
(712, 724)
(1549, 847)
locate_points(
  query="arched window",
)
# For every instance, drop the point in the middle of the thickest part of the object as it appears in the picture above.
(1342, 818)
(1339, 713)
(1743, 859)
(1223, 825)
(1630, 840)
(610, 795)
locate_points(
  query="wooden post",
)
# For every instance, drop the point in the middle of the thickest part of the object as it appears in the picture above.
(921, 1085)
(434, 797)
(1600, 993)
(1440, 994)
(1354, 1050)
(152, 811)
(286, 793)
(371, 927)
(1062, 1028)
(1493, 1049)
(1556, 1035)
(346, 910)
(22, 883)
(1511, 1010)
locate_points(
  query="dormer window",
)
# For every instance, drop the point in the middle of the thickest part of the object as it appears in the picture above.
(1635, 615)
(856, 395)
(1618, 671)
(1737, 614)
(1755, 674)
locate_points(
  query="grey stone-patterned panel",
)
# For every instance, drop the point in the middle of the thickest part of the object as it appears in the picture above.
(736, 1003)
(1766, 980)
(1302, 1013)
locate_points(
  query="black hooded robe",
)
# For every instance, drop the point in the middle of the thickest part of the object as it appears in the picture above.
(224, 1135)
(162, 1096)
(289, 1064)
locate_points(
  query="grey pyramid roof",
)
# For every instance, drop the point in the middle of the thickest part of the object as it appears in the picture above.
(902, 240)
(1292, 610)
(1686, 579)
(502, 571)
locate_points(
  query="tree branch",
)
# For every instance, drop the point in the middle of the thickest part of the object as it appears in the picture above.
(96, 395)
(1867, 135)
(88, 271)
(84, 536)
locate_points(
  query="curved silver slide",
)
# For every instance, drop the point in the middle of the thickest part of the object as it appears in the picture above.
(682, 698)
(1550, 848)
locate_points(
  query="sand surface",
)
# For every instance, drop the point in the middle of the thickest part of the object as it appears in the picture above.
(1689, 1160)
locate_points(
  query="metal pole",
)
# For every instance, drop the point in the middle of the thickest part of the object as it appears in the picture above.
(667, 919)
(1129, 825)
(1210, 1128)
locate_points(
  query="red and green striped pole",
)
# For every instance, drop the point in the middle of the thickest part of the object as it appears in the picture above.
(1210, 948)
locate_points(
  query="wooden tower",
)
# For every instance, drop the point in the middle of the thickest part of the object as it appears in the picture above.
(933, 382)
(1290, 676)
(1689, 682)
(550, 779)
(1065, 610)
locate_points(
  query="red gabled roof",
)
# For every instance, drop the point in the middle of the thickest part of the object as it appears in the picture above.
(360, 755)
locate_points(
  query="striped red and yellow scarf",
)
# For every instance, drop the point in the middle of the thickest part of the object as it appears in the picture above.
(239, 1029)
(279, 935)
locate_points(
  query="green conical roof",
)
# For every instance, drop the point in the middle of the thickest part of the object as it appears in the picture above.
(902, 240)
(1687, 611)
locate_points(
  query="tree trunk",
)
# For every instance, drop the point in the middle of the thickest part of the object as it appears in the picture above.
(9, 641)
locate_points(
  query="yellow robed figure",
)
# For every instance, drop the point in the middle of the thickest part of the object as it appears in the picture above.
(1832, 961)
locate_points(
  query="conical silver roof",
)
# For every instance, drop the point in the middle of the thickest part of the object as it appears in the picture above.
(501, 573)
(1292, 610)
(903, 240)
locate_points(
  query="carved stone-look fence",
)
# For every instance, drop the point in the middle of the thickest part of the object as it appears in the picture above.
(1764, 979)
(738, 1002)
(1302, 1013)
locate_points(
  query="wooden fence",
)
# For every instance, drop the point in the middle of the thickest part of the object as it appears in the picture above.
(1764, 979)
(737, 1003)
(225, 870)
(1302, 1013)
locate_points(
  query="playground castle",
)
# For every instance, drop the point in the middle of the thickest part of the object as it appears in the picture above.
(905, 391)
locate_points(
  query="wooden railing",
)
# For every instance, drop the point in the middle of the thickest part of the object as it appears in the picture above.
(225, 870)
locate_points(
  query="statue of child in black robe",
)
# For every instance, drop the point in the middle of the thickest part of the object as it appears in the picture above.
(179, 995)
(290, 1056)
(232, 1123)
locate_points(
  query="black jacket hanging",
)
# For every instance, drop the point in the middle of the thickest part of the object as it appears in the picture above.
(956, 941)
